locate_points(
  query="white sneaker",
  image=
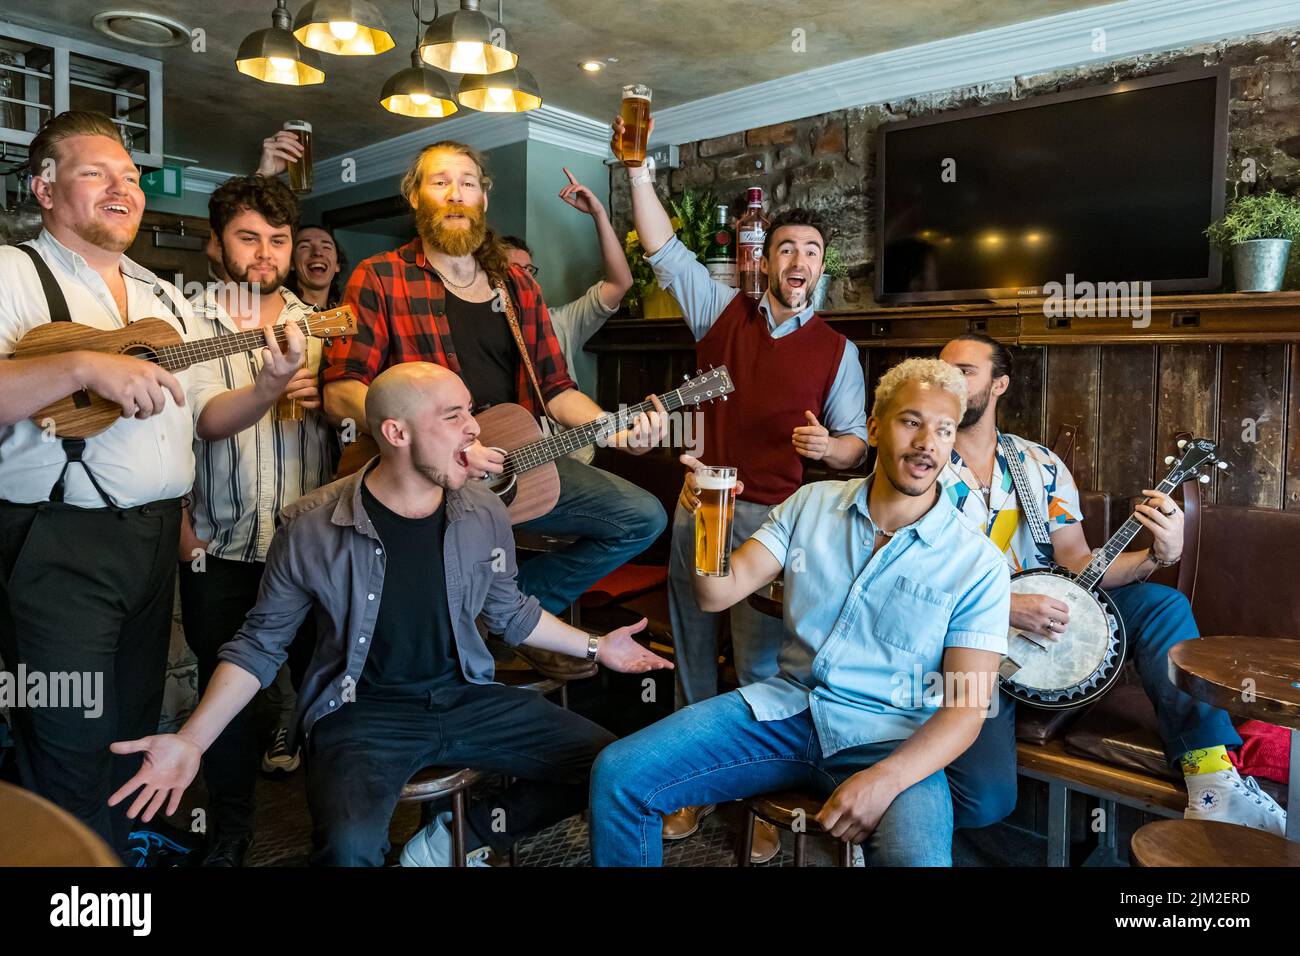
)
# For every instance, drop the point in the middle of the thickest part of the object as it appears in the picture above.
(858, 858)
(432, 846)
(1227, 797)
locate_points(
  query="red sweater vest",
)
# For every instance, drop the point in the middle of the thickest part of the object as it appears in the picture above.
(776, 380)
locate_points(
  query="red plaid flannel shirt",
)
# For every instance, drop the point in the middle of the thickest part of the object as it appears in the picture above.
(400, 305)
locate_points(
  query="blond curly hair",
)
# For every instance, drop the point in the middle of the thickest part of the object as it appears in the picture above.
(931, 371)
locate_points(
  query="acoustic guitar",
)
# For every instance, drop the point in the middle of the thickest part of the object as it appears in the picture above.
(530, 483)
(84, 413)
(1085, 661)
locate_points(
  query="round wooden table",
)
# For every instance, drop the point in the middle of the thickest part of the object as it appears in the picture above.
(1255, 677)
(770, 600)
(37, 833)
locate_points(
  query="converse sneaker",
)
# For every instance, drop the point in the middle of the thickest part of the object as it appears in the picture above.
(277, 759)
(432, 846)
(1227, 797)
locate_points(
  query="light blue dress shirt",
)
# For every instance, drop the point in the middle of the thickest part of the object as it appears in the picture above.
(703, 299)
(864, 634)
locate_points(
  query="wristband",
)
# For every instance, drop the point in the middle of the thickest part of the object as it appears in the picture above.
(593, 646)
(641, 179)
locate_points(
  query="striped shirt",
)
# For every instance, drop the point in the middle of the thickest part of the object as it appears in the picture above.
(241, 483)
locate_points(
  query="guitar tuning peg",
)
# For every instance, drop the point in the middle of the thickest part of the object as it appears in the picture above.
(724, 398)
(1204, 479)
(686, 376)
(1182, 443)
(1221, 465)
(1169, 459)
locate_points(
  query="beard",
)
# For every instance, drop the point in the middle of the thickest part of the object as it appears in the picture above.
(975, 406)
(110, 240)
(913, 491)
(804, 294)
(238, 274)
(431, 472)
(431, 224)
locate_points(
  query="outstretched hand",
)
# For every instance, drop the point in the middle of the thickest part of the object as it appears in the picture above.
(620, 652)
(170, 764)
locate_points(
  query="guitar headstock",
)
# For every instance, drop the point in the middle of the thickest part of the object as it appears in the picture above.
(1198, 456)
(332, 323)
(706, 386)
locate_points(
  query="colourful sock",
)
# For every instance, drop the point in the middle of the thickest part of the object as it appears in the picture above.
(1208, 760)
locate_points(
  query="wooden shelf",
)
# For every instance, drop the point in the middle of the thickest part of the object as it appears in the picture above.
(1174, 319)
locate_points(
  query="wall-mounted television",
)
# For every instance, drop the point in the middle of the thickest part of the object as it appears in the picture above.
(1106, 184)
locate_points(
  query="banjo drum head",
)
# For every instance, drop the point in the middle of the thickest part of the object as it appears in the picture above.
(1083, 650)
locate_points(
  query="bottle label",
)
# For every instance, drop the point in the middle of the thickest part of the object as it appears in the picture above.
(723, 271)
(723, 238)
(752, 237)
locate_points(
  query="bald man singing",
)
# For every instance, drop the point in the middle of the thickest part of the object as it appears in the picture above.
(398, 560)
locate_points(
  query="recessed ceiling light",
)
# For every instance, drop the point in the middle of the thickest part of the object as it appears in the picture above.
(592, 66)
(141, 28)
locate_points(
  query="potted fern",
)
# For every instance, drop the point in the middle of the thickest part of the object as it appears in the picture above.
(692, 221)
(833, 267)
(1259, 230)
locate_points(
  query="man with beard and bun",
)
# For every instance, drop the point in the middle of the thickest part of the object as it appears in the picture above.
(800, 396)
(243, 483)
(89, 529)
(979, 483)
(443, 298)
(398, 560)
(883, 580)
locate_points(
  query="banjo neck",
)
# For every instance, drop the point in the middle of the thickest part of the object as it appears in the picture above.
(1091, 576)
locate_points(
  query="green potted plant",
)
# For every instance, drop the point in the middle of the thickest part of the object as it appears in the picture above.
(692, 220)
(833, 267)
(1258, 230)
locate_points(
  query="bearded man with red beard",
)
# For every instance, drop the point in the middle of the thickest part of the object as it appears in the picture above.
(441, 299)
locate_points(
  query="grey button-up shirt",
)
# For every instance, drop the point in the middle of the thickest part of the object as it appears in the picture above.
(327, 557)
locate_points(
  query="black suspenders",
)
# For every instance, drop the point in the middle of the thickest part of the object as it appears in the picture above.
(57, 303)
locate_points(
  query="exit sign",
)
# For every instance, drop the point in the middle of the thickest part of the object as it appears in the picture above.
(168, 181)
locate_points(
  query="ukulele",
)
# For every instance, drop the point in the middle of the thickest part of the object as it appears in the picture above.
(530, 483)
(84, 413)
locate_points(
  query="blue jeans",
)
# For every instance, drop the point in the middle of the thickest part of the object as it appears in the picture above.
(1156, 617)
(717, 750)
(614, 521)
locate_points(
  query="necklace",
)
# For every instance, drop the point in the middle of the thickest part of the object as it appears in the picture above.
(446, 281)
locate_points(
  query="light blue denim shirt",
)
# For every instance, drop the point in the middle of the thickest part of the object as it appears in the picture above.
(703, 298)
(864, 633)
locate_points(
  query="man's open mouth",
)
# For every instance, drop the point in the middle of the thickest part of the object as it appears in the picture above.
(919, 467)
(461, 458)
(116, 209)
(318, 268)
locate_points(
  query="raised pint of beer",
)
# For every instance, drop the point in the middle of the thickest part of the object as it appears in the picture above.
(300, 170)
(636, 123)
(713, 520)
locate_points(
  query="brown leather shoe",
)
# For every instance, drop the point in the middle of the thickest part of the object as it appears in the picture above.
(680, 824)
(767, 842)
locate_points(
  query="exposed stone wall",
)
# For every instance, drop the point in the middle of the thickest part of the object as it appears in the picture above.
(826, 162)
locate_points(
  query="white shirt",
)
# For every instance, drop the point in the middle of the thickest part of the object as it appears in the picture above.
(574, 324)
(241, 483)
(135, 461)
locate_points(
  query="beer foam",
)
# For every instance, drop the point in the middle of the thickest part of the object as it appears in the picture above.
(714, 482)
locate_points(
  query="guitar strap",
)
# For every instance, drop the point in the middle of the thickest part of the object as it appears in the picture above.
(1025, 496)
(513, 320)
(73, 448)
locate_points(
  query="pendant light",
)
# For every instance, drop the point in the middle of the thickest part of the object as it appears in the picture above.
(275, 55)
(462, 42)
(343, 27)
(417, 91)
(510, 91)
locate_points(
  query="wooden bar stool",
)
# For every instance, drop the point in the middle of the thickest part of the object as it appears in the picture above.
(38, 833)
(1210, 843)
(784, 809)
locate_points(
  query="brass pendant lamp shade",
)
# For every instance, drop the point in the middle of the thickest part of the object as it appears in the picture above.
(463, 42)
(343, 27)
(511, 91)
(418, 91)
(275, 56)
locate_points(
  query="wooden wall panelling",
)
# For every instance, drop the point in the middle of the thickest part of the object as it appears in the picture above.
(1291, 491)
(1252, 405)
(1126, 419)
(1187, 399)
(1073, 380)
(1020, 410)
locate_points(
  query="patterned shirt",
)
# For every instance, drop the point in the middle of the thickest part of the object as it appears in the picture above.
(1058, 500)
(242, 482)
(400, 305)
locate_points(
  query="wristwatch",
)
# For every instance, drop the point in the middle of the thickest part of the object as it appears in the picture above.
(1159, 562)
(593, 646)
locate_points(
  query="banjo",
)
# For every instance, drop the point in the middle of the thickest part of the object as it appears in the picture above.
(1084, 663)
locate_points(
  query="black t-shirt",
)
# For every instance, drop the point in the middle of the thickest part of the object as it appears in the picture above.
(486, 350)
(413, 648)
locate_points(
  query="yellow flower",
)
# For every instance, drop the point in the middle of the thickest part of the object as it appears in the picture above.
(677, 223)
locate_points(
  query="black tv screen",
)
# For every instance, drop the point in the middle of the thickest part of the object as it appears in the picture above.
(1108, 184)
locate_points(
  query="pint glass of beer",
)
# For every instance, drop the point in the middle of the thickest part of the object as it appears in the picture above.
(300, 170)
(636, 123)
(713, 518)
